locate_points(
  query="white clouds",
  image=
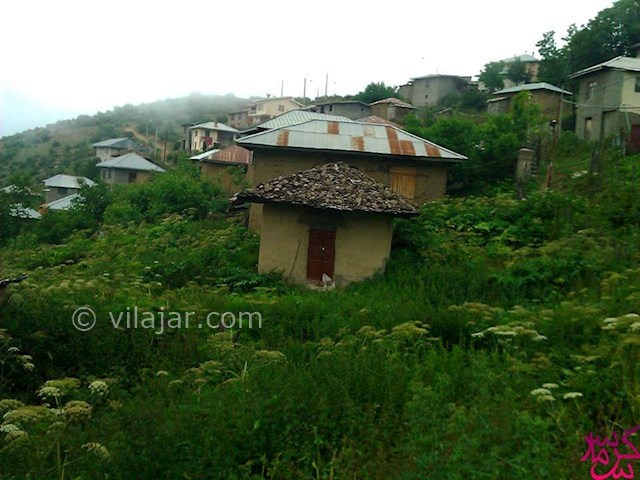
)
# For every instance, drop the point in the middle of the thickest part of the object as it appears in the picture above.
(89, 56)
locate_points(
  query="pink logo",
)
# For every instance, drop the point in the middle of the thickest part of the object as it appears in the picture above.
(598, 453)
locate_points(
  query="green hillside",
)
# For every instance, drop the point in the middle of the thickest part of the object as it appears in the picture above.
(65, 147)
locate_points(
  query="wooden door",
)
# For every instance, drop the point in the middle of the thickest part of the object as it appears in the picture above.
(321, 253)
(403, 181)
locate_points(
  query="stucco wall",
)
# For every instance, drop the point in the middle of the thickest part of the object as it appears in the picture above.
(285, 239)
(55, 193)
(120, 176)
(431, 179)
(220, 174)
(429, 91)
(608, 93)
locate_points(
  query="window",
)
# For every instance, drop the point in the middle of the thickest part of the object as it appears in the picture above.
(132, 177)
(637, 90)
(587, 128)
(403, 181)
(281, 108)
(62, 191)
(591, 92)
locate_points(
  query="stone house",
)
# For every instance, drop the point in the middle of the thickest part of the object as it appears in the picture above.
(391, 109)
(411, 166)
(128, 168)
(106, 149)
(226, 168)
(430, 90)
(352, 109)
(545, 95)
(259, 111)
(328, 222)
(608, 103)
(61, 185)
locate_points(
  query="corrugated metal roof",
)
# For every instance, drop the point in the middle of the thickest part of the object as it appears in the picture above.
(532, 86)
(622, 63)
(63, 203)
(294, 117)
(377, 120)
(233, 155)
(215, 126)
(115, 143)
(20, 211)
(131, 161)
(348, 136)
(66, 181)
(394, 101)
(204, 155)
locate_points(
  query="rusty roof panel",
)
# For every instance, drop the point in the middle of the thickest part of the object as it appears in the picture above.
(350, 136)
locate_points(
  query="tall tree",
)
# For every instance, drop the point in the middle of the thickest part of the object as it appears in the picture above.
(492, 76)
(376, 91)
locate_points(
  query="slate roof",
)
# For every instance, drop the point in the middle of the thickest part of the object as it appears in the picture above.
(331, 187)
(352, 137)
(215, 126)
(532, 86)
(131, 161)
(621, 63)
(66, 181)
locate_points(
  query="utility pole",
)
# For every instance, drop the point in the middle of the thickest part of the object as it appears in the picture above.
(282, 89)
(326, 86)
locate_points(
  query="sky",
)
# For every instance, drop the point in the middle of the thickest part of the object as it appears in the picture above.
(64, 58)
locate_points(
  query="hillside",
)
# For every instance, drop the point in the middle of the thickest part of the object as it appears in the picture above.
(65, 146)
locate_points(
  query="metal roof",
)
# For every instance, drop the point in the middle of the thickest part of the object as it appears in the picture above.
(204, 155)
(349, 136)
(621, 63)
(20, 211)
(116, 143)
(294, 117)
(520, 58)
(63, 203)
(131, 161)
(532, 86)
(439, 75)
(215, 126)
(394, 101)
(67, 181)
(233, 155)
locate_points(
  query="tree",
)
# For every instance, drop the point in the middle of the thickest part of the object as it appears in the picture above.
(376, 91)
(492, 76)
(517, 72)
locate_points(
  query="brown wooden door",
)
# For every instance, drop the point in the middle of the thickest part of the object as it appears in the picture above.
(403, 181)
(634, 139)
(321, 253)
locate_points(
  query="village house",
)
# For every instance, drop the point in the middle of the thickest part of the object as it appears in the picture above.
(128, 168)
(548, 97)
(608, 103)
(259, 111)
(531, 65)
(61, 185)
(204, 136)
(226, 168)
(330, 223)
(114, 146)
(391, 109)
(430, 90)
(62, 203)
(346, 108)
(411, 166)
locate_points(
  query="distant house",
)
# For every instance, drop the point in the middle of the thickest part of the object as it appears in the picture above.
(531, 66)
(63, 203)
(430, 90)
(347, 108)
(545, 95)
(128, 168)
(391, 109)
(329, 222)
(411, 166)
(259, 111)
(215, 164)
(61, 185)
(608, 101)
(290, 118)
(114, 146)
(204, 136)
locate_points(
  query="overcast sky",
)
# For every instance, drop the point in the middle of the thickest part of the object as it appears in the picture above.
(62, 58)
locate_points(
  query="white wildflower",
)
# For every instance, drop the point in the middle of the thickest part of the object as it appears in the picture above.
(162, 373)
(550, 385)
(610, 320)
(631, 315)
(13, 349)
(635, 326)
(540, 391)
(478, 335)
(9, 427)
(97, 449)
(99, 388)
(570, 395)
(49, 392)
(545, 398)
(29, 367)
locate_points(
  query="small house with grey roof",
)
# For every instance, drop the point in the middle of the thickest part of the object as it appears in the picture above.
(128, 168)
(328, 223)
(411, 166)
(545, 95)
(106, 149)
(61, 185)
(204, 136)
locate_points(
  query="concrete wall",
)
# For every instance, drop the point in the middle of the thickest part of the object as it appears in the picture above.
(220, 174)
(354, 111)
(428, 92)
(119, 176)
(548, 101)
(105, 153)
(607, 93)
(431, 178)
(284, 242)
(56, 193)
(389, 111)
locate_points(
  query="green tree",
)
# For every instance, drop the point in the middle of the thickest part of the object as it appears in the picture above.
(492, 76)
(376, 91)
(517, 72)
